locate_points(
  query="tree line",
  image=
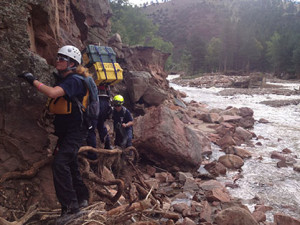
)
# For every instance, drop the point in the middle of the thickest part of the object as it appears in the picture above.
(135, 28)
(254, 35)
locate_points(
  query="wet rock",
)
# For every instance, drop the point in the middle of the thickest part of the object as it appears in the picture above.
(238, 151)
(226, 141)
(260, 137)
(211, 184)
(179, 103)
(224, 129)
(235, 216)
(263, 208)
(216, 168)
(232, 111)
(183, 176)
(217, 194)
(228, 118)
(259, 216)
(231, 161)
(231, 185)
(190, 184)
(280, 219)
(286, 151)
(281, 163)
(297, 167)
(242, 134)
(262, 120)
(277, 155)
(182, 94)
(245, 112)
(247, 122)
(279, 103)
(208, 117)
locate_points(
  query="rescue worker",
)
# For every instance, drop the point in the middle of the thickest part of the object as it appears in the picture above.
(69, 128)
(105, 111)
(123, 123)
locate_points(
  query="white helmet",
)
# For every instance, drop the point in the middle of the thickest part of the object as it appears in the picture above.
(70, 51)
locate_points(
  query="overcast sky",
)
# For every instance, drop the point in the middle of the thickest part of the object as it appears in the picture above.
(138, 2)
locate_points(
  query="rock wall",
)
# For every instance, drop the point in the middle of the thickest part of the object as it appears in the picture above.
(31, 31)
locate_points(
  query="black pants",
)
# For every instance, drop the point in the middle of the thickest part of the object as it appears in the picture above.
(69, 187)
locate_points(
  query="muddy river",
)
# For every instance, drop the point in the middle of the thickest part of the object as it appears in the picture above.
(262, 181)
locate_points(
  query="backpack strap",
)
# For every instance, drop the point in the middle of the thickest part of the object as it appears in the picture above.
(124, 110)
(80, 106)
(103, 67)
(112, 61)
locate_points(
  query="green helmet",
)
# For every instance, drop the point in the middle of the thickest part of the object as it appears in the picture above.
(118, 100)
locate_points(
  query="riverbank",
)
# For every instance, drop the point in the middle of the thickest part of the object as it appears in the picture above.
(262, 144)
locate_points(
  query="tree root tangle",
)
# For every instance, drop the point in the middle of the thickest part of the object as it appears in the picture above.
(141, 199)
(30, 213)
(26, 174)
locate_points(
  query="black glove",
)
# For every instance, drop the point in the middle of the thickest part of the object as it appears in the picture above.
(28, 77)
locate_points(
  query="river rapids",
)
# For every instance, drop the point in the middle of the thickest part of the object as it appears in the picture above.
(262, 181)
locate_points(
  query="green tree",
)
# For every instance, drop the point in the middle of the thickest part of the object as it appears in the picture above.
(296, 60)
(135, 28)
(273, 51)
(197, 49)
(185, 61)
(214, 50)
(281, 50)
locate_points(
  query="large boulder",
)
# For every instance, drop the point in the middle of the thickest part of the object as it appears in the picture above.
(137, 84)
(162, 138)
(235, 216)
(142, 88)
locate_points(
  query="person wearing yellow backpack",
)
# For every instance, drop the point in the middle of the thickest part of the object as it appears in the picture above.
(69, 127)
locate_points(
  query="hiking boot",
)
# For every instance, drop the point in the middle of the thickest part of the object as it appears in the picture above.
(67, 217)
(84, 203)
(108, 147)
(64, 210)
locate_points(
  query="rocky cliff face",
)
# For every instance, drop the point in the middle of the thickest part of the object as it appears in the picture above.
(31, 31)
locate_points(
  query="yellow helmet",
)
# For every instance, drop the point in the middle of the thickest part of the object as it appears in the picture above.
(118, 100)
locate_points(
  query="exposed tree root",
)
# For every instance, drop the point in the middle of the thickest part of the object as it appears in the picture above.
(125, 212)
(28, 173)
(104, 157)
(30, 213)
(92, 177)
(123, 161)
(142, 187)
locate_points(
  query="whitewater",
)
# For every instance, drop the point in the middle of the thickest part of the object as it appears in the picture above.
(262, 181)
